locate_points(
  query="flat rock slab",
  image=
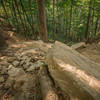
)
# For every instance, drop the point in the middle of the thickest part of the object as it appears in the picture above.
(78, 45)
(74, 73)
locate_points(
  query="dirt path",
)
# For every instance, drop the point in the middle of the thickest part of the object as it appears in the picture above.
(92, 51)
(20, 62)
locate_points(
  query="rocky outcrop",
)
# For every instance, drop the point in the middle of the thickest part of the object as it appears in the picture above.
(79, 45)
(74, 73)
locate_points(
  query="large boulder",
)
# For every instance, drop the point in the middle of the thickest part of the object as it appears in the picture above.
(75, 74)
(78, 45)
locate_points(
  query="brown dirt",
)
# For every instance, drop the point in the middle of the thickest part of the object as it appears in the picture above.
(8, 37)
(12, 43)
(92, 51)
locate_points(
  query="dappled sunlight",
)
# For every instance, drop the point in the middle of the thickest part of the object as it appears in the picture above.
(81, 75)
(42, 48)
(29, 51)
(50, 96)
(18, 45)
(10, 33)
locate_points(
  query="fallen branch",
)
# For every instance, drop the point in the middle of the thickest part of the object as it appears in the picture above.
(46, 84)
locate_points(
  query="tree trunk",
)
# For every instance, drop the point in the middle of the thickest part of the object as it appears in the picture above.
(54, 21)
(88, 22)
(3, 6)
(70, 20)
(14, 11)
(30, 9)
(23, 8)
(42, 21)
(36, 17)
(16, 4)
(96, 25)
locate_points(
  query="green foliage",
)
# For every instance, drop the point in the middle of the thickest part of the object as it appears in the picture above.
(63, 18)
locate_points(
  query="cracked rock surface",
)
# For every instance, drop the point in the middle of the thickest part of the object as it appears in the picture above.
(19, 66)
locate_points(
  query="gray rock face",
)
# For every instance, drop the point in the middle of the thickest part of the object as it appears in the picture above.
(72, 71)
(21, 71)
(16, 63)
(16, 72)
(17, 78)
(36, 65)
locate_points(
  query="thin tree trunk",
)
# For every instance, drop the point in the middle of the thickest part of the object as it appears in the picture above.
(2, 3)
(58, 17)
(29, 2)
(36, 17)
(66, 32)
(88, 22)
(26, 16)
(96, 25)
(12, 14)
(70, 20)
(42, 21)
(20, 17)
(15, 14)
(54, 21)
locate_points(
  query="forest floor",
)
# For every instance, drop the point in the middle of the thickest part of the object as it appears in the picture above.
(19, 63)
(92, 51)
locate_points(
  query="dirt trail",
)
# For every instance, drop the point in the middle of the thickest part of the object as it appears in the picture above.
(20, 62)
(92, 51)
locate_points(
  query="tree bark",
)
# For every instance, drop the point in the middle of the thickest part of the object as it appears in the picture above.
(96, 25)
(88, 22)
(15, 14)
(29, 2)
(16, 4)
(23, 8)
(3, 5)
(70, 20)
(54, 21)
(42, 21)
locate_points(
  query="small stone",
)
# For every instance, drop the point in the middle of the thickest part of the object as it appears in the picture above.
(16, 72)
(35, 65)
(5, 63)
(0, 67)
(4, 71)
(28, 63)
(15, 63)
(11, 59)
(9, 67)
(22, 62)
(2, 79)
(24, 57)
(25, 67)
(31, 68)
